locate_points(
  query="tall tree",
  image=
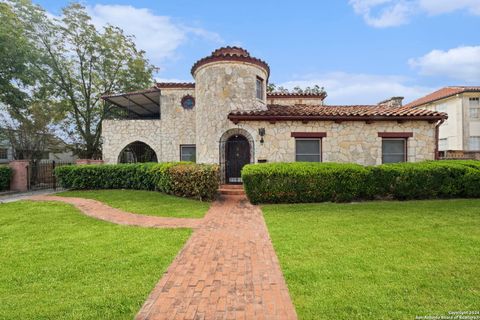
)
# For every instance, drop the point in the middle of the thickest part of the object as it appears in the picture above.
(80, 63)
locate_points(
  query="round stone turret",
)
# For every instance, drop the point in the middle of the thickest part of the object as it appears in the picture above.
(227, 80)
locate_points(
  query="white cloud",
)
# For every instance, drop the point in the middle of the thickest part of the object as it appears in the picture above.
(158, 35)
(348, 88)
(390, 13)
(462, 63)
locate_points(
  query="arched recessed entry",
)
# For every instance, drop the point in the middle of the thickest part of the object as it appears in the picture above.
(137, 152)
(236, 150)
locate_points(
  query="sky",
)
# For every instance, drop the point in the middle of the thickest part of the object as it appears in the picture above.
(361, 51)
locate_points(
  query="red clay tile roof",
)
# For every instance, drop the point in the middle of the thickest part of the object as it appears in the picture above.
(166, 85)
(295, 95)
(441, 94)
(344, 113)
(230, 54)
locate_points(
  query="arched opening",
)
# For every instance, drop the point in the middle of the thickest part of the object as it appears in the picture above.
(137, 152)
(237, 155)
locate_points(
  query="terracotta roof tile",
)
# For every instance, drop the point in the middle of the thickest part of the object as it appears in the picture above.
(230, 54)
(346, 113)
(441, 94)
(163, 85)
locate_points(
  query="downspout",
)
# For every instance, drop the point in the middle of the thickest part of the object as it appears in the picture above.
(437, 136)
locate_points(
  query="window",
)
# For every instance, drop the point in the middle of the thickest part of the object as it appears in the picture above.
(188, 102)
(474, 108)
(474, 143)
(188, 152)
(3, 153)
(259, 88)
(308, 150)
(394, 150)
(443, 144)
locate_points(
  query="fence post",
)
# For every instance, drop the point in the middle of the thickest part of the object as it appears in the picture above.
(19, 180)
(54, 177)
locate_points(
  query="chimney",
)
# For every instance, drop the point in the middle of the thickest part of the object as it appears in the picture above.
(395, 102)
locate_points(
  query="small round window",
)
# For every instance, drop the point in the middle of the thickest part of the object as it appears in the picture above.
(188, 102)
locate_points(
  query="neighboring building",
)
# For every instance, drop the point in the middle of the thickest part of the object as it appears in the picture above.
(57, 152)
(462, 104)
(227, 117)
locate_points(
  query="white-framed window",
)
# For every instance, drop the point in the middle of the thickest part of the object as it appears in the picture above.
(259, 88)
(443, 144)
(308, 149)
(188, 152)
(474, 143)
(394, 150)
(474, 107)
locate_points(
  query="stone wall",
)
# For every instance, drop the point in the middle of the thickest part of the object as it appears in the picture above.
(293, 101)
(349, 141)
(220, 88)
(176, 127)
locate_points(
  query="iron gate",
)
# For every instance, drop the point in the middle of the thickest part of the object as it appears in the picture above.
(41, 174)
(237, 156)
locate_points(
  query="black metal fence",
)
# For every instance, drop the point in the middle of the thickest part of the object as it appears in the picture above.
(41, 174)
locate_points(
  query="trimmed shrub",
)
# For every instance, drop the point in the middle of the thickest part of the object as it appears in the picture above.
(180, 178)
(5, 175)
(304, 182)
(318, 182)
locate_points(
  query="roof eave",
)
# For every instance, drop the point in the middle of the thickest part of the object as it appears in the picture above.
(238, 118)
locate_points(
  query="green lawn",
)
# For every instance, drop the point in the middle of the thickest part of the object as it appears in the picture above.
(145, 202)
(59, 264)
(379, 260)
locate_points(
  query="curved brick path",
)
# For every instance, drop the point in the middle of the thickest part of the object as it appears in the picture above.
(228, 268)
(98, 210)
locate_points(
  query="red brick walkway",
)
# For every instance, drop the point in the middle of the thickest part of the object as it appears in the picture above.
(228, 269)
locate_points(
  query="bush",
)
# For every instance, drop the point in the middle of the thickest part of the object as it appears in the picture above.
(5, 175)
(180, 179)
(304, 182)
(318, 182)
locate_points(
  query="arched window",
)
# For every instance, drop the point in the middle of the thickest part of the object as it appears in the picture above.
(137, 152)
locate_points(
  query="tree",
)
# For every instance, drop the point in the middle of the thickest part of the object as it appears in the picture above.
(316, 89)
(80, 64)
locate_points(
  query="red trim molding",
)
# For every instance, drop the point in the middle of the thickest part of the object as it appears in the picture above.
(395, 134)
(308, 134)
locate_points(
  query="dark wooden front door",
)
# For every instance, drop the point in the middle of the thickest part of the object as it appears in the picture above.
(237, 155)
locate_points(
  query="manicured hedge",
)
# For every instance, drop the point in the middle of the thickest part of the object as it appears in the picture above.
(5, 175)
(180, 178)
(318, 182)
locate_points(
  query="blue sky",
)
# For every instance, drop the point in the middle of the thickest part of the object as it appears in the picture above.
(361, 51)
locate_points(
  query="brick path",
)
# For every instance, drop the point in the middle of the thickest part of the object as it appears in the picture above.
(98, 210)
(228, 269)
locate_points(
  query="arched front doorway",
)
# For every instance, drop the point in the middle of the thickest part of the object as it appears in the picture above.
(137, 152)
(237, 155)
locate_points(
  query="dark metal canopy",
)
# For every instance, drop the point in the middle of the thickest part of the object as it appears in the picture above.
(142, 103)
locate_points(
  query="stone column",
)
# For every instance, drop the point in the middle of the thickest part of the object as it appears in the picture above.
(19, 180)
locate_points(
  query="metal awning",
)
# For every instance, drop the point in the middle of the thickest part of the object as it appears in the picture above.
(143, 103)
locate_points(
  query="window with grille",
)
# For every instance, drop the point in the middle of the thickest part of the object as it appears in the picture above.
(308, 150)
(188, 152)
(474, 108)
(394, 150)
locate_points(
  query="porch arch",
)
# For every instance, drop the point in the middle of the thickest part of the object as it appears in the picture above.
(226, 136)
(137, 152)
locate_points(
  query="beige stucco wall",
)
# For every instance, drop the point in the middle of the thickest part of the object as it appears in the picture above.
(350, 141)
(459, 127)
(176, 127)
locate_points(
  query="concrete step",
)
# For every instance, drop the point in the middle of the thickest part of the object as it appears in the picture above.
(231, 189)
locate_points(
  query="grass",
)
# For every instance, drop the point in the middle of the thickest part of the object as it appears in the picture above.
(59, 264)
(379, 260)
(149, 203)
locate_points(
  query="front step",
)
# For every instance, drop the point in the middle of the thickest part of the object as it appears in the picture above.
(231, 189)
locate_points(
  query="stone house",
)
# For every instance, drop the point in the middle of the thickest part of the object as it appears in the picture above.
(227, 117)
(461, 132)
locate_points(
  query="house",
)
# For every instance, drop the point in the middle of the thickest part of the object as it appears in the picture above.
(461, 132)
(227, 117)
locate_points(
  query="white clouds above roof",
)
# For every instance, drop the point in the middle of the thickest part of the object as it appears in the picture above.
(159, 36)
(391, 13)
(352, 88)
(462, 63)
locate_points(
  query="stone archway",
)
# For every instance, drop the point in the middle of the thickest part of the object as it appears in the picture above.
(136, 152)
(234, 136)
